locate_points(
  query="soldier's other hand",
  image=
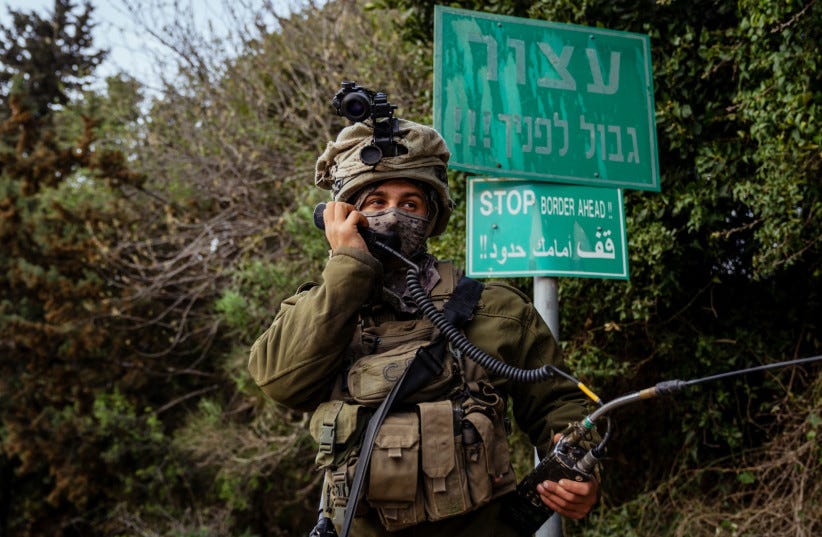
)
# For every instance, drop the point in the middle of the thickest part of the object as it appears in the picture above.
(569, 498)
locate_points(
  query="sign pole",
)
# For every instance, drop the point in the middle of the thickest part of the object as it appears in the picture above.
(546, 300)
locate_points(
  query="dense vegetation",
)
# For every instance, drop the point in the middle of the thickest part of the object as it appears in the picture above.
(146, 240)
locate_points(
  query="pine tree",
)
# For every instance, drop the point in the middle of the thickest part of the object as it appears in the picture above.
(53, 293)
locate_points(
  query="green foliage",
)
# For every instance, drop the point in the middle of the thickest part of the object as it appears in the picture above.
(255, 287)
(451, 244)
(746, 494)
(71, 437)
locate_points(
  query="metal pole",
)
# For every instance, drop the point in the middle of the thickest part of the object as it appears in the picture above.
(546, 300)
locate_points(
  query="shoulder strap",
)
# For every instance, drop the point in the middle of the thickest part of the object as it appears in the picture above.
(426, 365)
(428, 362)
(460, 307)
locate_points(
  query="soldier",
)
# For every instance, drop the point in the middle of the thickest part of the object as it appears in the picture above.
(439, 463)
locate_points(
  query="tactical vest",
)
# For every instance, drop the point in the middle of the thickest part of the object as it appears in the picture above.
(443, 453)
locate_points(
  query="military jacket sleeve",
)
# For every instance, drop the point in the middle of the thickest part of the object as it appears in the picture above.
(297, 358)
(507, 326)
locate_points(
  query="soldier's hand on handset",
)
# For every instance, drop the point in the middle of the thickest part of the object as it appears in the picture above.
(341, 221)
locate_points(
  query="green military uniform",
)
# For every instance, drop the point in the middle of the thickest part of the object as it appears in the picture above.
(300, 359)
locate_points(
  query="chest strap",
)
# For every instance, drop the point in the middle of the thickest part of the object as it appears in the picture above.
(427, 364)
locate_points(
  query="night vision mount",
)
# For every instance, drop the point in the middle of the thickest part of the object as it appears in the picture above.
(357, 104)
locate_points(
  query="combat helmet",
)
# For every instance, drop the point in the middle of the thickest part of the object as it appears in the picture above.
(423, 157)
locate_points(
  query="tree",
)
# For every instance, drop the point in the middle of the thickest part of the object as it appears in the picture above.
(57, 381)
(47, 59)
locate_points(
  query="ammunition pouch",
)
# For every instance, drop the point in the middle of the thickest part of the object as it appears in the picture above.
(437, 460)
(393, 483)
(337, 428)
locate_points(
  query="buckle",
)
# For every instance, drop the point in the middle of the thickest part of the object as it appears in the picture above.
(326, 441)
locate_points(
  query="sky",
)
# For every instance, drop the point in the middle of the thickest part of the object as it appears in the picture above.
(131, 50)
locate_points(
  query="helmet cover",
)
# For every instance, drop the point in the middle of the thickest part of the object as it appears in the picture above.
(341, 170)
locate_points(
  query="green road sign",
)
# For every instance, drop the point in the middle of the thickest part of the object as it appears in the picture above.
(526, 228)
(544, 101)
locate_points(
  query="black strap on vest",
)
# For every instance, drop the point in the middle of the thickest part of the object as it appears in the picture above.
(426, 365)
